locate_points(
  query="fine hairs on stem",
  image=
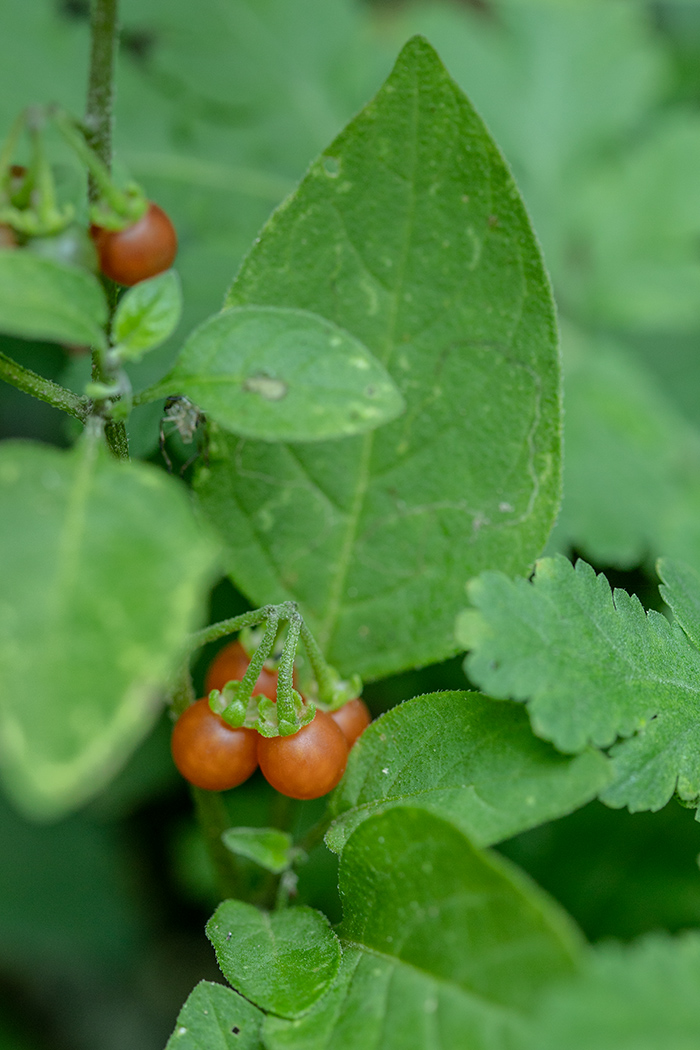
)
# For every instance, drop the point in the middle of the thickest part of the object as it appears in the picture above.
(99, 115)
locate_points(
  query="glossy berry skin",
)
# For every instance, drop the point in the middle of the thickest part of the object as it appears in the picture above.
(353, 718)
(308, 764)
(211, 754)
(230, 664)
(142, 250)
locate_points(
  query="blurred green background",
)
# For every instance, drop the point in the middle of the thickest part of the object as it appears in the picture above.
(221, 106)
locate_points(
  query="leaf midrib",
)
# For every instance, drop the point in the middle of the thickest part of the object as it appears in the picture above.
(329, 623)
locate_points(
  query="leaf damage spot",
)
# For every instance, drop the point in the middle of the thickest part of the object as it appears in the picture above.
(331, 166)
(268, 388)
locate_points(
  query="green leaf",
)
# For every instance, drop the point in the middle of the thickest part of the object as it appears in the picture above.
(681, 592)
(465, 758)
(638, 997)
(408, 233)
(442, 945)
(268, 847)
(42, 299)
(215, 1018)
(283, 375)
(147, 315)
(105, 570)
(282, 961)
(593, 667)
(632, 485)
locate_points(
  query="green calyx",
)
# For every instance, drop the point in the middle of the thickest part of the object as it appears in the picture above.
(259, 712)
(290, 712)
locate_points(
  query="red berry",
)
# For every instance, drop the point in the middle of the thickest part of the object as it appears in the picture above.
(230, 664)
(307, 764)
(209, 753)
(142, 250)
(353, 718)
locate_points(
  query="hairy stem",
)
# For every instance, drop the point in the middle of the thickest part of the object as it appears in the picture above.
(104, 36)
(231, 626)
(104, 33)
(43, 389)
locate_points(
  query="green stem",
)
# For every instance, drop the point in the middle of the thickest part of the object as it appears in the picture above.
(213, 820)
(104, 35)
(154, 392)
(320, 668)
(182, 694)
(230, 626)
(285, 676)
(43, 389)
(255, 666)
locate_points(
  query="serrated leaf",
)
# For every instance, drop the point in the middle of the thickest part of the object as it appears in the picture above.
(593, 667)
(215, 1018)
(468, 759)
(408, 233)
(283, 375)
(43, 299)
(270, 848)
(105, 570)
(147, 314)
(282, 961)
(680, 590)
(642, 996)
(442, 945)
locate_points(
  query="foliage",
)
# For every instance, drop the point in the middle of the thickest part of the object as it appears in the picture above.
(595, 667)
(367, 422)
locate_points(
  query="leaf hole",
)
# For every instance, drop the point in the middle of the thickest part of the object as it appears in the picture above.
(235, 1030)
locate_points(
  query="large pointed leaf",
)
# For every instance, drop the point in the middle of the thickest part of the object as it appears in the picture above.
(442, 945)
(408, 233)
(104, 569)
(469, 759)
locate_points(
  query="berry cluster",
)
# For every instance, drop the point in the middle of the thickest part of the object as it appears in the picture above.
(128, 238)
(213, 755)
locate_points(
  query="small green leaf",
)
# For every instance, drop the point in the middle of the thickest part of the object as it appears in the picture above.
(642, 996)
(283, 375)
(268, 847)
(147, 315)
(282, 961)
(442, 945)
(215, 1018)
(43, 299)
(468, 759)
(594, 667)
(105, 570)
